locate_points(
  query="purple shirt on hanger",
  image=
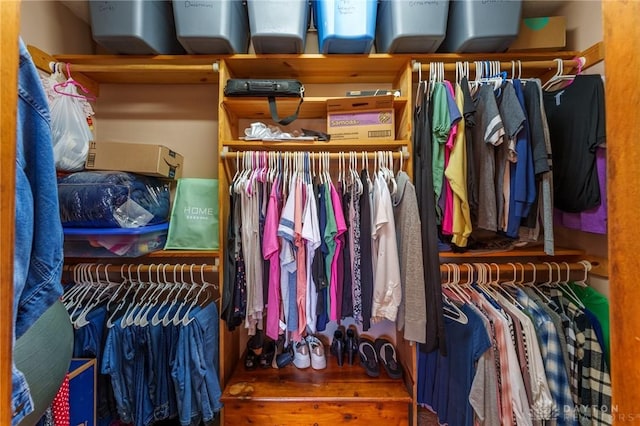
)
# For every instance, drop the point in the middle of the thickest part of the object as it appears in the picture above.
(593, 220)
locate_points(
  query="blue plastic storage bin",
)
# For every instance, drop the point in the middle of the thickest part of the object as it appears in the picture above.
(137, 27)
(345, 26)
(114, 242)
(411, 26)
(279, 26)
(212, 26)
(481, 26)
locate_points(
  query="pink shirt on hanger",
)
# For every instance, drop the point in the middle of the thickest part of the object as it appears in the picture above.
(341, 226)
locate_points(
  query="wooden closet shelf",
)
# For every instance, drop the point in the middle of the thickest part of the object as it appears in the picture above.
(334, 395)
(310, 68)
(312, 107)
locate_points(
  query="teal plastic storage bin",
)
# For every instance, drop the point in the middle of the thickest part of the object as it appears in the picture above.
(345, 26)
(137, 27)
(212, 26)
(481, 26)
(411, 26)
(278, 26)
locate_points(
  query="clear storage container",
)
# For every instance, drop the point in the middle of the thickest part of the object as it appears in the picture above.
(212, 26)
(279, 26)
(137, 27)
(411, 26)
(345, 26)
(114, 242)
(481, 26)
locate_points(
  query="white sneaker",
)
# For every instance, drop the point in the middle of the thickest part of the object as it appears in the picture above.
(316, 349)
(301, 355)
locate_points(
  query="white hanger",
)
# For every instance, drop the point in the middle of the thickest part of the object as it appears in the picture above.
(81, 320)
(204, 285)
(177, 318)
(123, 300)
(127, 319)
(166, 320)
(156, 320)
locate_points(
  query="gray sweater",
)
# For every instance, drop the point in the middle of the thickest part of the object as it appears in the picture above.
(412, 313)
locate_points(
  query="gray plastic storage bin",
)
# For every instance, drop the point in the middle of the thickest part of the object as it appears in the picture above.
(481, 26)
(411, 26)
(278, 26)
(137, 27)
(212, 26)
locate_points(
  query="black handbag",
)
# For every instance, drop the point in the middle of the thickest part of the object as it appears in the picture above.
(271, 89)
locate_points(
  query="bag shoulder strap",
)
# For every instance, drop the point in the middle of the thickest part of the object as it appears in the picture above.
(274, 112)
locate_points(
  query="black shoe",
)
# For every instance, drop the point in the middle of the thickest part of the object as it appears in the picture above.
(254, 350)
(338, 346)
(268, 353)
(351, 345)
(368, 357)
(386, 353)
(279, 350)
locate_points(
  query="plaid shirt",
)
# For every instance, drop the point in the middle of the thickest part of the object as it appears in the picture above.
(552, 358)
(594, 382)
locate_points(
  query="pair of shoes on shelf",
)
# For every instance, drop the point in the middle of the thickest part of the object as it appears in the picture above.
(344, 342)
(309, 352)
(260, 351)
(381, 351)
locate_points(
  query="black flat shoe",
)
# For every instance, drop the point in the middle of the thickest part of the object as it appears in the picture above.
(386, 353)
(368, 357)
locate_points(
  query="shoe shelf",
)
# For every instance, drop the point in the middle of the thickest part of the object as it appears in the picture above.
(334, 395)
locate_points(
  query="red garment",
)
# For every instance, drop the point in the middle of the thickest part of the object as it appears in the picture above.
(60, 405)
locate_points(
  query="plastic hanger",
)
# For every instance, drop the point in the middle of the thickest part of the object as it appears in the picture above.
(156, 320)
(123, 300)
(568, 291)
(81, 320)
(127, 319)
(560, 76)
(64, 88)
(186, 319)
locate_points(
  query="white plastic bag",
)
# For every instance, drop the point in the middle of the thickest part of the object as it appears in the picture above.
(71, 132)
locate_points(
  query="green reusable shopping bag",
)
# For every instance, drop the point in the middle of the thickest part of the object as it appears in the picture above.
(194, 216)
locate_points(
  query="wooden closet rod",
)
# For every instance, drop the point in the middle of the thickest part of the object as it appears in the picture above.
(155, 272)
(530, 65)
(515, 272)
(232, 155)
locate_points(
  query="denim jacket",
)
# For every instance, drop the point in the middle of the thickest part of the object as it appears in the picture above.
(38, 255)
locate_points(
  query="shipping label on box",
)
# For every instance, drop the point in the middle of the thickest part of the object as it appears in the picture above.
(547, 33)
(145, 159)
(370, 117)
(82, 391)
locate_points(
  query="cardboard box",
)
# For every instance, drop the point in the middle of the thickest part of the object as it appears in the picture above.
(145, 159)
(82, 391)
(367, 117)
(548, 33)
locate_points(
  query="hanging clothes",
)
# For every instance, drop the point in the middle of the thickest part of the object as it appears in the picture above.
(422, 149)
(412, 317)
(576, 118)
